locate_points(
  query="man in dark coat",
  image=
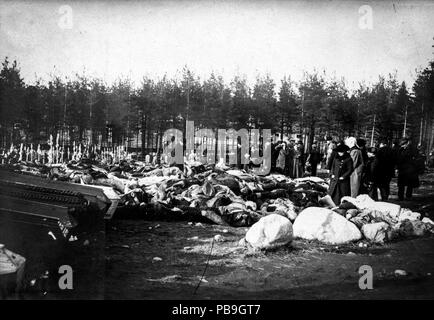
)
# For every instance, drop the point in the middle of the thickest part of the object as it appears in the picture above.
(369, 181)
(395, 150)
(314, 158)
(361, 143)
(362, 146)
(289, 159)
(407, 169)
(383, 169)
(340, 173)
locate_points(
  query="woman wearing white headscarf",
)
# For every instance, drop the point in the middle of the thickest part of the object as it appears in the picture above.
(356, 176)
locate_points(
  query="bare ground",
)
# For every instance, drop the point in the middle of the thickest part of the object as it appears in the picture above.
(303, 270)
(119, 263)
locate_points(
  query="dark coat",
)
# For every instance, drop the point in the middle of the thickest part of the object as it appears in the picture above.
(314, 157)
(383, 168)
(289, 162)
(407, 167)
(341, 167)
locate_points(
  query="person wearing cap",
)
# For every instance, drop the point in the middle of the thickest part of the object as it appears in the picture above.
(358, 164)
(408, 177)
(340, 173)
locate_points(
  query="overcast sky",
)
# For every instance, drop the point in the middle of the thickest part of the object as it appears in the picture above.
(117, 38)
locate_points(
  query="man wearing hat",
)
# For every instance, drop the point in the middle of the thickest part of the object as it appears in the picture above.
(407, 169)
(340, 172)
(384, 169)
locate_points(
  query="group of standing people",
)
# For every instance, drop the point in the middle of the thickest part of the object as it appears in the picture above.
(288, 158)
(355, 169)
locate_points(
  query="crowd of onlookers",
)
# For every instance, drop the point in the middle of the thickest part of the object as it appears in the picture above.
(353, 167)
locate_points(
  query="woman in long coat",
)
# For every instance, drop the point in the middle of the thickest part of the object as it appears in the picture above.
(281, 155)
(340, 172)
(289, 160)
(408, 175)
(384, 169)
(358, 164)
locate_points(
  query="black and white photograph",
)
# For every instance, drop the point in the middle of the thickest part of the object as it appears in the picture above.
(218, 150)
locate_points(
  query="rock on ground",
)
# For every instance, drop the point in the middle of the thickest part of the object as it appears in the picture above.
(269, 232)
(324, 225)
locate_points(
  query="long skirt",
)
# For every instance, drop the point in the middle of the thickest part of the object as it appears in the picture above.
(339, 189)
(355, 181)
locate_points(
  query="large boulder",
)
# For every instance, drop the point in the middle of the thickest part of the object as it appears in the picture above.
(269, 232)
(376, 232)
(324, 225)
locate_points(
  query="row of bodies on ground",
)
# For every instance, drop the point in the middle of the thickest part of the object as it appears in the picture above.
(233, 197)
